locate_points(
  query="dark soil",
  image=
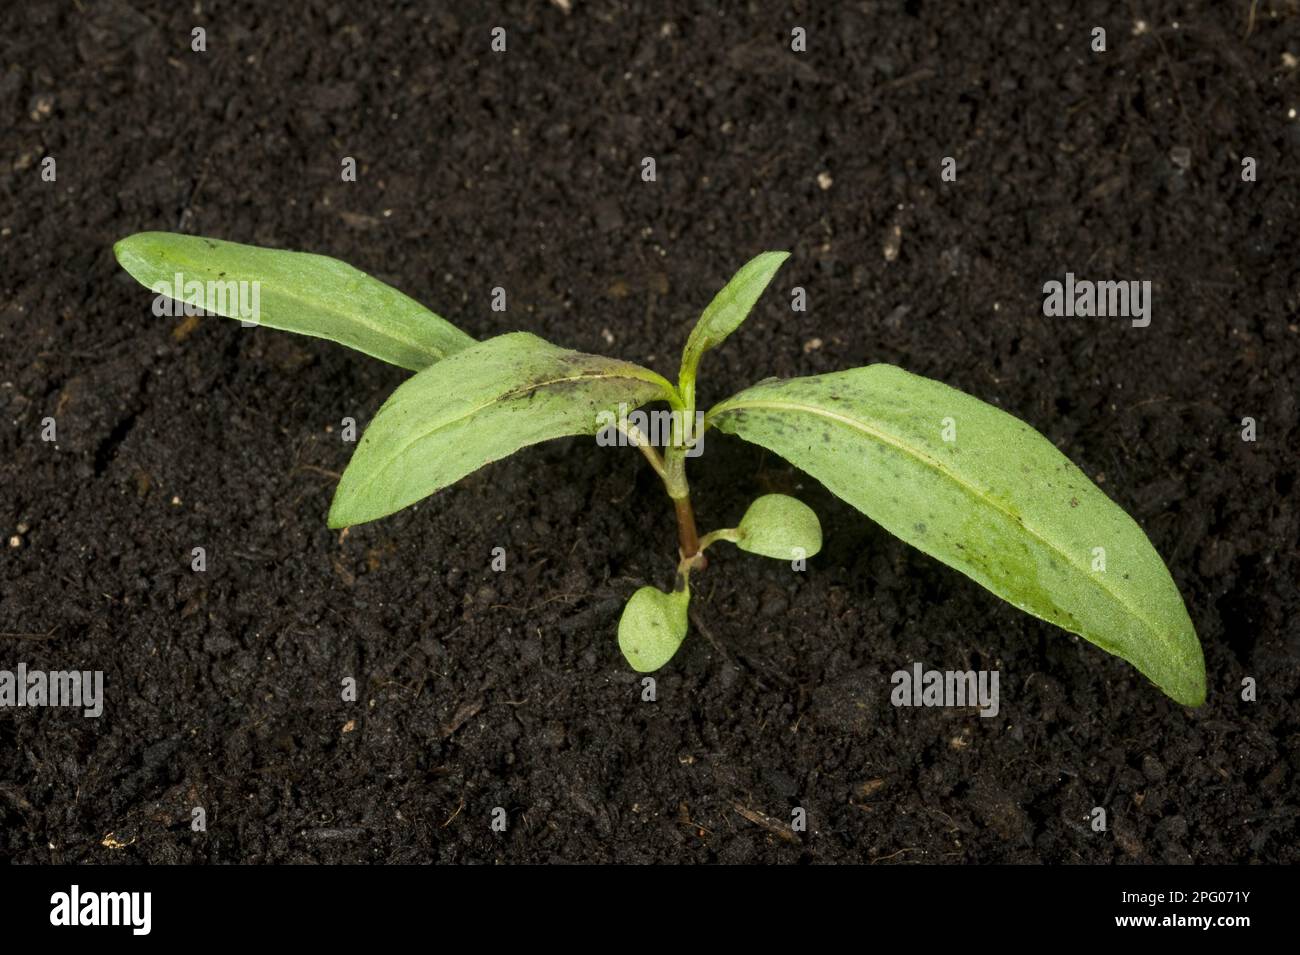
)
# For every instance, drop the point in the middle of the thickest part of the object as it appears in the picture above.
(483, 689)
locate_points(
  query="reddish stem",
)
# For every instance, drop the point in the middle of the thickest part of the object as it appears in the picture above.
(688, 539)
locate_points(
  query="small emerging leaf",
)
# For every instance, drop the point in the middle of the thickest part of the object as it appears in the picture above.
(296, 291)
(725, 313)
(780, 526)
(652, 627)
(476, 407)
(988, 495)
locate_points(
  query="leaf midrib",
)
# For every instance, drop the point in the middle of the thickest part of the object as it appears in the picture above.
(504, 396)
(328, 308)
(966, 486)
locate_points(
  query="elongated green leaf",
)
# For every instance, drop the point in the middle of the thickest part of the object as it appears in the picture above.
(476, 407)
(725, 313)
(987, 494)
(294, 291)
(653, 627)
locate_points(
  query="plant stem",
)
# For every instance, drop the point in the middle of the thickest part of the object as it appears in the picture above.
(722, 534)
(671, 468)
(684, 568)
(688, 539)
(643, 445)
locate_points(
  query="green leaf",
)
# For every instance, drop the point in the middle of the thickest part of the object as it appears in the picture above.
(779, 526)
(296, 291)
(476, 407)
(998, 502)
(725, 313)
(652, 627)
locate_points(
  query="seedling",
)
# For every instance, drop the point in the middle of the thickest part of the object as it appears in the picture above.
(959, 479)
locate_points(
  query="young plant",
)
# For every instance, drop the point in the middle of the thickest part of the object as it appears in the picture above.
(966, 483)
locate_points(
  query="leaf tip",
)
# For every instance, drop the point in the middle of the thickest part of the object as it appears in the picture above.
(128, 251)
(142, 255)
(1192, 693)
(339, 518)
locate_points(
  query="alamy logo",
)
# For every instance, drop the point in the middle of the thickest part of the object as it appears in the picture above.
(241, 300)
(103, 908)
(921, 687)
(83, 688)
(1088, 299)
(658, 428)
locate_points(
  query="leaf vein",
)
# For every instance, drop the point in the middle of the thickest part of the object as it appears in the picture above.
(966, 486)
